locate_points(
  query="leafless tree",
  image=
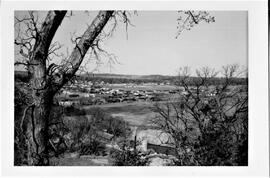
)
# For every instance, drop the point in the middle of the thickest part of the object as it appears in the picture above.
(35, 51)
(36, 47)
(208, 123)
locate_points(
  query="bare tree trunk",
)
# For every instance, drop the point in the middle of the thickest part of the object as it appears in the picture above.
(37, 130)
(43, 88)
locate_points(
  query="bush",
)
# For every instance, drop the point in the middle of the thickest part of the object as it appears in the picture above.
(80, 129)
(21, 101)
(113, 125)
(117, 127)
(93, 147)
(82, 134)
(129, 157)
(73, 111)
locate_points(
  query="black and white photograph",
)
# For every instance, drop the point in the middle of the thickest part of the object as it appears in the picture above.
(131, 88)
(124, 87)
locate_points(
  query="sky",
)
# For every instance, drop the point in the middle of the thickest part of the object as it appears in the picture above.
(149, 46)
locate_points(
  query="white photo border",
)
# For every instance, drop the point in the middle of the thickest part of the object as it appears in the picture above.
(258, 164)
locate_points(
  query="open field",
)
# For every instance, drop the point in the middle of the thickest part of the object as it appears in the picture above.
(136, 113)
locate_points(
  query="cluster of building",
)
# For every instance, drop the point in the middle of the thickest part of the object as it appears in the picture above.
(96, 94)
(88, 93)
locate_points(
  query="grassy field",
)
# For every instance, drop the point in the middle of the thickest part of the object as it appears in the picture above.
(136, 113)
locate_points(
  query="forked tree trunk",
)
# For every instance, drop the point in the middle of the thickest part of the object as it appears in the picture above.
(43, 89)
(42, 95)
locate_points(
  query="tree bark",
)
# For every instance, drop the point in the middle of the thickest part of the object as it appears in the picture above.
(81, 48)
(37, 130)
(43, 90)
(37, 127)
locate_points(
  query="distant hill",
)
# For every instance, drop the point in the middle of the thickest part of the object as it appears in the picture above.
(24, 75)
(124, 76)
(120, 78)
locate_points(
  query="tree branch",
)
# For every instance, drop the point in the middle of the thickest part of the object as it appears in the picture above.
(81, 48)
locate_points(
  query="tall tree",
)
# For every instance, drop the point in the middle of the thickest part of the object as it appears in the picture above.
(43, 85)
(47, 79)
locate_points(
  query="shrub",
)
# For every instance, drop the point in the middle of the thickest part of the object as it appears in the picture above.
(117, 127)
(79, 129)
(129, 157)
(73, 111)
(113, 125)
(93, 147)
(84, 132)
(21, 101)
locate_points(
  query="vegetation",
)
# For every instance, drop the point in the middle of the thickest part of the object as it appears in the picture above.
(208, 125)
(34, 50)
(20, 144)
(129, 156)
(93, 147)
(208, 130)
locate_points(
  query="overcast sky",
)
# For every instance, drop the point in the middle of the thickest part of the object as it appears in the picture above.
(151, 47)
